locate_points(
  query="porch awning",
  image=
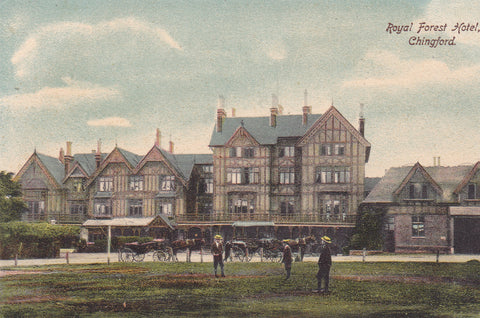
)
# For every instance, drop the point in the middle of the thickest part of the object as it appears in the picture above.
(252, 223)
(465, 210)
(157, 220)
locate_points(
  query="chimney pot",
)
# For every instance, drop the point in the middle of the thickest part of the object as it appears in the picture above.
(234, 112)
(306, 110)
(273, 116)
(361, 122)
(158, 138)
(171, 147)
(98, 155)
(221, 115)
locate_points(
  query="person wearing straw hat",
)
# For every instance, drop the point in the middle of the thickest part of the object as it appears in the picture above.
(287, 258)
(217, 250)
(324, 264)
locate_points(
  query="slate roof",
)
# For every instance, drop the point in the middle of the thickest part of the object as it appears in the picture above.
(87, 161)
(54, 166)
(447, 178)
(260, 129)
(184, 162)
(132, 158)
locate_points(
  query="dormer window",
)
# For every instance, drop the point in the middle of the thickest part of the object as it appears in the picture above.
(418, 191)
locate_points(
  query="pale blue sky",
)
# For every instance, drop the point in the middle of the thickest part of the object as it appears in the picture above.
(117, 70)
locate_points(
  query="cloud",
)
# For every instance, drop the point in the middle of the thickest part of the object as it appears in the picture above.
(110, 121)
(453, 12)
(398, 73)
(73, 41)
(74, 93)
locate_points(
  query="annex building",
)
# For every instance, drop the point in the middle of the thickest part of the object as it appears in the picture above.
(277, 175)
(429, 209)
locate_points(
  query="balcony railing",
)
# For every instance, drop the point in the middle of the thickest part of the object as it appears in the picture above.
(56, 217)
(265, 217)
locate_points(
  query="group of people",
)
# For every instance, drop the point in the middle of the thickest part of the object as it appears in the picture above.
(324, 261)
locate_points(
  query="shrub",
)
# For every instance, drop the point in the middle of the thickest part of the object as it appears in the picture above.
(35, 240)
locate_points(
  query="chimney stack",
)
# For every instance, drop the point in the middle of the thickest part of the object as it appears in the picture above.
(438, 161)
(98, 155)
(68, 158)
(158, 138)
(361, 122)
(171, 147)
(306, 110)
(221, 114)
(273, 116)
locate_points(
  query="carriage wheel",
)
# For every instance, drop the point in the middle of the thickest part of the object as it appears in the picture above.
(237, 253)
(126, 255)
(138, 257)
(161, 256)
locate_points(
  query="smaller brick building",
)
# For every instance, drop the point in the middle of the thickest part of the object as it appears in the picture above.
(429, 209)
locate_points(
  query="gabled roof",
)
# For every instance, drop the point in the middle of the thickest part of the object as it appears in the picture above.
(447, 178)
(467, 178)
(332, 111)
(50, 166)
(239, 133)
(87, 161)
(260, 129)
(182, 163)
(418, 168)
(132, 159)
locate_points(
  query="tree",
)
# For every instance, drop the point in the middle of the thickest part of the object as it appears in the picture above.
(11, 202)
(368, 230)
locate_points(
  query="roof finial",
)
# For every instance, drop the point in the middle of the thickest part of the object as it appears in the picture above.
(332, 101)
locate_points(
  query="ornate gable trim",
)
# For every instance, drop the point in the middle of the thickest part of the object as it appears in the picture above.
(155, 155)
(75, 167)
(467, 178)
(418, 167)
(241, 132)
(114, 157)
(35, 159)
(332, 111)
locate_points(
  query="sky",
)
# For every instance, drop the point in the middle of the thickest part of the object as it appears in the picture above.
(81, 71)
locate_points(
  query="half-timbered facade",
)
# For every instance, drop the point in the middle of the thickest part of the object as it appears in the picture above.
(295, 170)
(121, 184)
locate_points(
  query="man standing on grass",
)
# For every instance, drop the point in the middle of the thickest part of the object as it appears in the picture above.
(217, 250)
(287, 258)
(324, 264)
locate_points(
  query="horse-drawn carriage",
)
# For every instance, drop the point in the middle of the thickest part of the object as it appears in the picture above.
(135, 252)
(269, 249)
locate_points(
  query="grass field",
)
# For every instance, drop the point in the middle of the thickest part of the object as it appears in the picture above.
(249, 290)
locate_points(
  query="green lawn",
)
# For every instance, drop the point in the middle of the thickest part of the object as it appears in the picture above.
(250, 289)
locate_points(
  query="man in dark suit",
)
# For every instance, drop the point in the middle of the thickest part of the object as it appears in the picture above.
(287, 258)
(324, 264)
(217, 250)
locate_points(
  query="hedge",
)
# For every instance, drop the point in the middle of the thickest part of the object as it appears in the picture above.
(35, 240)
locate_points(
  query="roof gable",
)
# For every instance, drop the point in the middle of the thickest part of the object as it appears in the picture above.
(418, 169)
(241, 137)
(158, 155)
(319, 124)
(467, 178)
(51, 167)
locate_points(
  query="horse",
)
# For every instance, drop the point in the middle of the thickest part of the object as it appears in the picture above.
(300, 244)
(188, 244)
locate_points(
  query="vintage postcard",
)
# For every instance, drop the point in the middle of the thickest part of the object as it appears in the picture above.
(246, 127)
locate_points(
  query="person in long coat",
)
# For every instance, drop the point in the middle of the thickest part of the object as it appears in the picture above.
(217, 251)
(324, 264)
(287, 258)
